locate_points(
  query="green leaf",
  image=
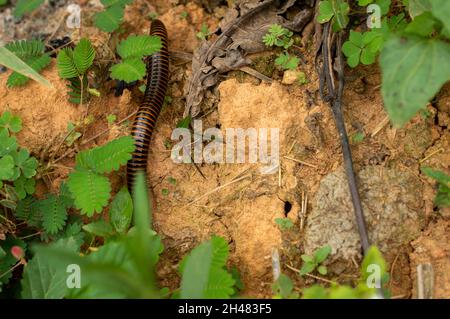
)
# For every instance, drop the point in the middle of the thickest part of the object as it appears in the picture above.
(36, 63)
(307, 268)
(283, 286)
(25, 163)
(66, 65)
(325, 11)
(423, 25)
(137, 46)
(284, 223)
(10, 122)
(322, 253)
(99, 228)
(9, 260)
(184, 122)
(307, 258)
(109, 3)
(10, 60)
(25, 49)
(109, 157)
(24, 186)
(54, 214)
(129, 70)
(439, 176)
(26, 6)
(28, 211)
(417, 7)
(201, 275)
(441, 10)
(315, 292)
(121, 211)
(44, 280)
(413, 71)
(90, 191)
(83, 55)
(6, 167)
(109, 20)
(8, 144)
(287, 62)
(322, 270)
(372, 257)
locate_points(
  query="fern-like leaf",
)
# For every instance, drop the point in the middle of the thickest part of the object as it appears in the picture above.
(75, 89)
(109, 20)
(109, 157)
(28, 211)
(90, 191)
(220, 284)
(26, 48)
(132, 69)
(136, 46)
(54, 214)
(25, 6)
(66, 65)
(83, 55)
(37, 63)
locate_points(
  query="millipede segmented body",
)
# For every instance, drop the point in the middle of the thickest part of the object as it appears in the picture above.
(145, 120)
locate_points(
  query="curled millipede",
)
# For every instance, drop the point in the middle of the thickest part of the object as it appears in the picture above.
(145, 120)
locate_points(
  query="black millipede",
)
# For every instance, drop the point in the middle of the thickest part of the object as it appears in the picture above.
(147, 114)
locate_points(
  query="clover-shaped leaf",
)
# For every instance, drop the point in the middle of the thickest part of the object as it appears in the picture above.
(24, 186)
(325, 11)
(6, 167)
(7, 144)
(13, 123)
(26, 163)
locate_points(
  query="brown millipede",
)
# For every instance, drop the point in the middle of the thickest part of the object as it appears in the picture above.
(145, 120)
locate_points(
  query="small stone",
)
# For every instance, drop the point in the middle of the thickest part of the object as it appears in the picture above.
(290, 77)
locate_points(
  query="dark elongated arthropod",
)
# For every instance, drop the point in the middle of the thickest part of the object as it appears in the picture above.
(145, 120)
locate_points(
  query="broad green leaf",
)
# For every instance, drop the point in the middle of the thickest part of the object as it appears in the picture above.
(41, 280)
(325, 11)
(307, 258)
(10, 60)
(121, 211)
(441, 10)
(25, 6)
(417, 7)
(8, 145)
(283, 286)
(99, 228)
(413, 70)
(307, 267)
(37, 63)
(6, 167)
(322, 270)
(8, 121)
(109, 20)
(372, 257)
(423, 25)
(90, 191)
(44, 279)
(315, 292)
(322, 253)
(129, 70)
